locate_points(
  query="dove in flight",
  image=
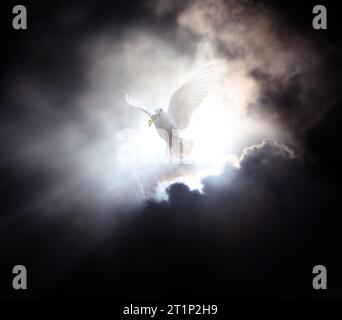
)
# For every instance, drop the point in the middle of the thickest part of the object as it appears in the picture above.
(181, 107)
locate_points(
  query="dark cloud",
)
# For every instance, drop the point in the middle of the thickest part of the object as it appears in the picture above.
(304, 98)
(256, 231)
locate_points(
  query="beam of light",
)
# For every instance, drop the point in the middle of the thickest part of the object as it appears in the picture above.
(153, 70)
(217, 128)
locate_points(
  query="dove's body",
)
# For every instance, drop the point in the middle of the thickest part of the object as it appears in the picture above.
(165, 126)
(182, 104)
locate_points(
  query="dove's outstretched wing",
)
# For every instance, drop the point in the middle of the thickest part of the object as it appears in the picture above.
(137, 104)
(188, 97)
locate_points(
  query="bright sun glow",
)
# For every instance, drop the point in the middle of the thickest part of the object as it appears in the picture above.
(219, 128)
(216, 128)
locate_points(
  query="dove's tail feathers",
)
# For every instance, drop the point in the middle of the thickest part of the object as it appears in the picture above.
(133, 102)
(180, 150)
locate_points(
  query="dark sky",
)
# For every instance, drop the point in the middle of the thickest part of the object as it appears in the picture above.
(253, 233)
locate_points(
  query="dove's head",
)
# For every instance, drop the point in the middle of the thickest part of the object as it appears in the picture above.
(159, 110)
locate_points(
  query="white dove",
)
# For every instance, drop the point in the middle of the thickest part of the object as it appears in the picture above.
(181, 107)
